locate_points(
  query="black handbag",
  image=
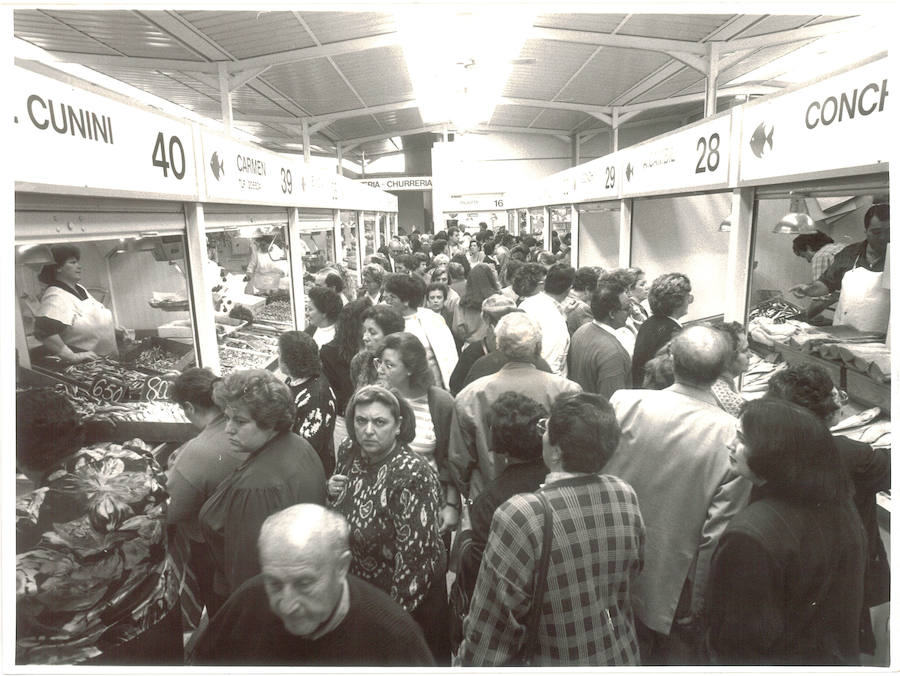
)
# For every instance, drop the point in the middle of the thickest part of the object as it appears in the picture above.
(526, 653)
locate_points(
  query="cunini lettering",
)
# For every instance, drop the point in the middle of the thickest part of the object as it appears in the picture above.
(836, 109)
(63, 118)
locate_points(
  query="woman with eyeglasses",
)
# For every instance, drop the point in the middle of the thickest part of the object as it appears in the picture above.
(402, 365)
(391, 498)
(724, 389)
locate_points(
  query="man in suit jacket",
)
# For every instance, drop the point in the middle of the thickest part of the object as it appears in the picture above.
(670, 296)
(597, 360)
(472, 462)
(673, 451)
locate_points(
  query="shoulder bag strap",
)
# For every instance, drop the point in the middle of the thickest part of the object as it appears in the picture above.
(540, 583)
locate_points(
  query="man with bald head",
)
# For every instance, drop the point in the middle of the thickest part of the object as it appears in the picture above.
(306, 609)
(673, 451)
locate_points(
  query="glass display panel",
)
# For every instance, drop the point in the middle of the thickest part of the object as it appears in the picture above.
(598, 235)
(249, 271)
(537, 223)
(681, 234)
(108, 319)
(369, 231)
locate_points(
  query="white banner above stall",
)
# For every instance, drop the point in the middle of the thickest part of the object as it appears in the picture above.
(67, 136)
(598, 179)
(398, 183)
(693, 158)
(241, 172)
(837, 124)
(484, 202)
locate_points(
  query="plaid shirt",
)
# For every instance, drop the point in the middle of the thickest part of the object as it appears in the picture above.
(598, 551)
(823, 258)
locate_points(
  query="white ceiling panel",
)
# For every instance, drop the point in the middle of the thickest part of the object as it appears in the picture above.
(597, 23)
(247, 34)
(42, 30)
(560, 119)
(610, 73)
(554, 64)
(316, 86)
(336, 26)
(690, 27)
(365, 73)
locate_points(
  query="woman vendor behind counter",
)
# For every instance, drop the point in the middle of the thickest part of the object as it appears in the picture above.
(71, 323)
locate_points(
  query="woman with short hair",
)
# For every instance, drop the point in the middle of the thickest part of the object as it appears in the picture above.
(324, 307)
(724, 389)
(391, 499)
(670, 296)
(314, 400)
(279, 470)
(378, 322)
(786, 580)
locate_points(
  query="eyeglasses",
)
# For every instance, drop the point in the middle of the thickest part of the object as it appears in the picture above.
(541, 426)
(840, 396)
(385, 365)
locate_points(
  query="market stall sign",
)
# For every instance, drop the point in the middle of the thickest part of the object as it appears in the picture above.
(837, 124)
(465, 203)
(693, 158)
(398, 183)
(155, 388)
(67, 136)
(107, 388)
(598, 179)
(241, 172)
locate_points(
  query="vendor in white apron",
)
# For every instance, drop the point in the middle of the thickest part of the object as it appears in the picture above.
(71, 323)
(858, 273)
(269, 269)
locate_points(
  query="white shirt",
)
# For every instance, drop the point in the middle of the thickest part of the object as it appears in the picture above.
(325, 335)
(549, 315)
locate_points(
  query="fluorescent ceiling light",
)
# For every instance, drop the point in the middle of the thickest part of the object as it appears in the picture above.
(459, 61)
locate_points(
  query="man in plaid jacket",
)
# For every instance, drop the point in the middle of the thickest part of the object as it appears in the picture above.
(598, 544)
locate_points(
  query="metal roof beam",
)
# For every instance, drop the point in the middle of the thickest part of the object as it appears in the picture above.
(323, 51)
(700, 64)
(689, 98)
(555, 105)
(353, 142)
(171, 23)
(136, 62)
(616, 40)
(522, 130)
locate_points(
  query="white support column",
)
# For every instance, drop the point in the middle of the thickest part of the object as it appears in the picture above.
(576, 150)
(304, 126)
(225, 96)
(740, 267)
(362, 163)
(625, 233)
(340, 158)
(574, 230)
(337, 236)
(548, 229)
(202, 309)
(712, 78)
(615, 130)
(360, 246)
(376, 237)
(298, 294)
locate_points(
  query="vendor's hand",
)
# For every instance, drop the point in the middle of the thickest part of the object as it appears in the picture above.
(337, 485)
(449, 518)
(79, 357)
(799, 290)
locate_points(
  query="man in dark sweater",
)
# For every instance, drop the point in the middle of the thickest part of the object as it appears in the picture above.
(305, 609)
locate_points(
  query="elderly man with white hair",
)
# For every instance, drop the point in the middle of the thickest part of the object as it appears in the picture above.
(472, 464)
(305, 608)
(674, 453)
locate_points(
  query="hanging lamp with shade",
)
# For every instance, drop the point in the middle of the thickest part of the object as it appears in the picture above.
(797, 220)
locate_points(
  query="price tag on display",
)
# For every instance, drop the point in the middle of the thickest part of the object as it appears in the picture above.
(64, 135)
(155, 389)
(692, 158)
(837, 124)
(108, 389)
(240, 172)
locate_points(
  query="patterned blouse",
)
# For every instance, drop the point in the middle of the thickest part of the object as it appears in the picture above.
(315, 417)
(392, 507)
(727, 399)
(92, 571)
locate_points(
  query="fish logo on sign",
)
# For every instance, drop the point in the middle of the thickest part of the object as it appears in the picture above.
(217, 165)
(629, 171)
(760, 138)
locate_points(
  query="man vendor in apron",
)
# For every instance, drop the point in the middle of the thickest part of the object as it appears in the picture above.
(858, 273)
(70, 322)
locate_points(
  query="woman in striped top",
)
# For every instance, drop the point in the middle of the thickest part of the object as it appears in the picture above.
(403, 365)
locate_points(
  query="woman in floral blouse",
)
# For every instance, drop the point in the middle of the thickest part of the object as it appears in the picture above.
(94, 582)
(391, 498)
(298, 358)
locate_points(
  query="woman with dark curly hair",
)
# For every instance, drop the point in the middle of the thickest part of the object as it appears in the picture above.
(724, 389)
(468, 325)
(378, 321)
(670, 296)
(94, 582)
(324, 307)
(298, 357)
(280, 470)
(529, 280)
(391, 499)
(786, 580)
(337, 354)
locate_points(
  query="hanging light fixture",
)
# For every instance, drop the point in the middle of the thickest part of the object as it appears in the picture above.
(797, 220)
